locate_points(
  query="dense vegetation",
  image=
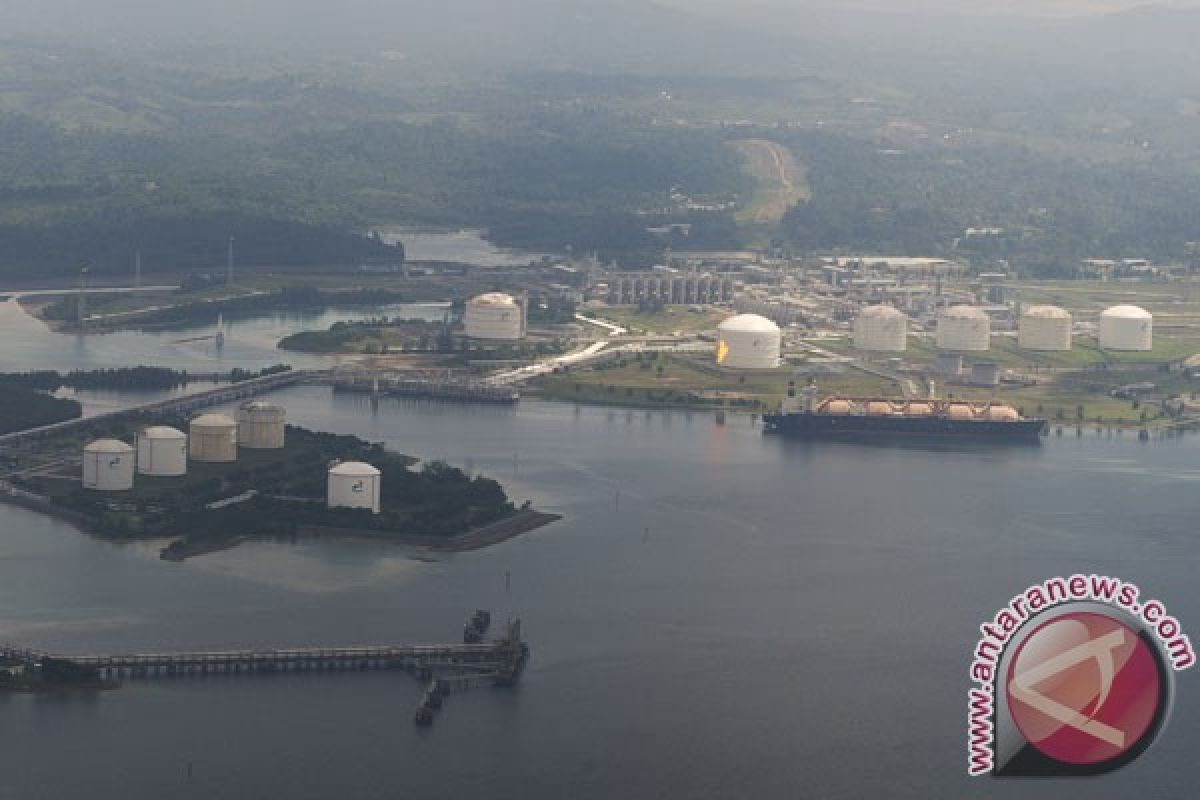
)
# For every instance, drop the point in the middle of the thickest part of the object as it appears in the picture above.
(125, 378)
(22, 408)
(288, 298)
(437, 500)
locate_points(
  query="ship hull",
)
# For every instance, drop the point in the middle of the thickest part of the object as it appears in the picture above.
(855, 426)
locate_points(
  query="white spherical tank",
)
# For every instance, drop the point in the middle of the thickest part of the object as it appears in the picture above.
(964, 328)
(1126, 328)
(1044, 328)
(881, 328)
(494, 316)
(162, 451)
(108, 466)
(748, 341)
(262, 426)
(354, 484)
(213, 438)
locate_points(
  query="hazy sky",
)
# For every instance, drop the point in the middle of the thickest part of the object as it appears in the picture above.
(1023, 7)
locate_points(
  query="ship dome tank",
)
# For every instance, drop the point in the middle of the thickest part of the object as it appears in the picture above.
(1002, 413)
(836, 406)
(960, 411)
(880, 408)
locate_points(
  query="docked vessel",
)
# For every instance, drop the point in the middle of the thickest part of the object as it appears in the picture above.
(804, 416)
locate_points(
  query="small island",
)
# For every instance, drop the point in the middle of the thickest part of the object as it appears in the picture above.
(276, 494)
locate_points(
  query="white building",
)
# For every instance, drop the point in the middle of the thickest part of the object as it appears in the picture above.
(1044, 328)
(162, 451)
(108, 466)
(964, 328)
(494, 316)
(354, 484)
(1126, 328)
(881, 328)
(748, 341)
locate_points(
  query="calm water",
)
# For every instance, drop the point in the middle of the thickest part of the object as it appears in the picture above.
(718, 615)
(462, 247)
(250, 343)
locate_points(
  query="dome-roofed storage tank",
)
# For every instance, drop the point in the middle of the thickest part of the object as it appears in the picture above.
(162, 451)
(748, 341)
(1126, 328)
(1044, 328)
(108, 466)
(494, 315)
(354, 484)
(262, 425)
(882, 329)
(213, 438)
(964, 328)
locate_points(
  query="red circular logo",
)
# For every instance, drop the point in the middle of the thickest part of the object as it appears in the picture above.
(1084, 688)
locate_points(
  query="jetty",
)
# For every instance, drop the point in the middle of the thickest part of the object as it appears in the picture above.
(443, 667)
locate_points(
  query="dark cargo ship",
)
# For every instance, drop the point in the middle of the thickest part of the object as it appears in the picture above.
(869, 418)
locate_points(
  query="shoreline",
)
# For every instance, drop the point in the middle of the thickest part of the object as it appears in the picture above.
(179, 550)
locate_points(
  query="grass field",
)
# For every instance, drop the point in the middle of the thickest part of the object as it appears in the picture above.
(691, 382)
(780, 181)
(669, 320)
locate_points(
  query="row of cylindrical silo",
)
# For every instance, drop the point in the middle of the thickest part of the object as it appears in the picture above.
(162, 451)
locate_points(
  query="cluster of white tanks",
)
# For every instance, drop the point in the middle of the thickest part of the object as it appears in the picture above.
(162, 451)
(748, 341)
(1126, 328)
(882, 329)
(494, 316)
(964, 328)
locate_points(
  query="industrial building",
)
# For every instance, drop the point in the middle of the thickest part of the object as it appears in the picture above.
(748, 341)
(964, 328)
(881, 328)
(1126, 328)
(673, 286)
(1044, 328)
(494, 316)
(108, 466)
(354, 484)
(213, 439)
(162, 451)
(262, 426)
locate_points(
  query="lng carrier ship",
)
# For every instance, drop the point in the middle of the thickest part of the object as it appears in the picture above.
(866, 418)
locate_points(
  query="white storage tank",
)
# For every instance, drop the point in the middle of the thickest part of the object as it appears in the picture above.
(494, 315)
(1126, 328)
(964, 328)
(262, 426)
(1044, 328)
(748, 341)
(881, 328)
(162, 451)
(354, 484)
(213, 438)
(108, 466)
